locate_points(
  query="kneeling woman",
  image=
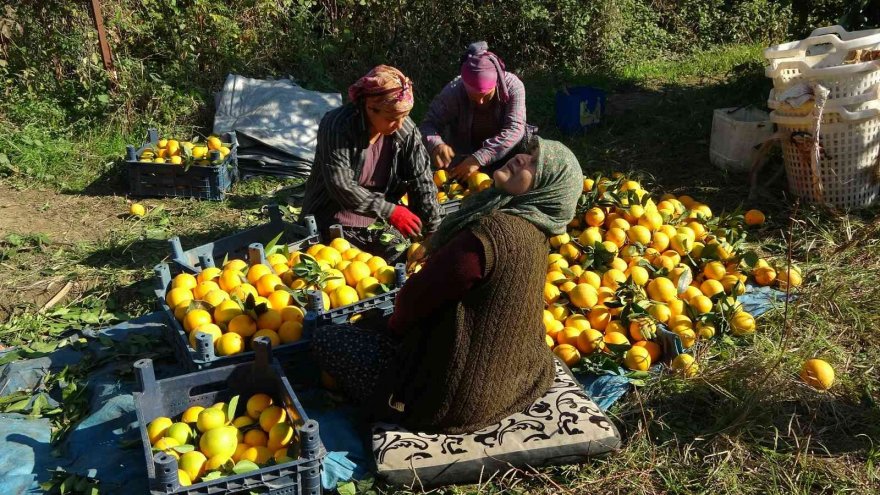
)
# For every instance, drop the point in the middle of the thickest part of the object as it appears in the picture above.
(466, 345)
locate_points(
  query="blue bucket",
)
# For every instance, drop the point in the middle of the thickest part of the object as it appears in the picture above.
(579, 108)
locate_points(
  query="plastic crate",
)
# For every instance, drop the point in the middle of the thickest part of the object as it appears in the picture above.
(237, 245)
(204, 357)
(168, 180)
(449, 207)
(172, 396)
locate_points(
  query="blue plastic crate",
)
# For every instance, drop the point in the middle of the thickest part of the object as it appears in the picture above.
(579, 108)
(168, 180)
(172, 396)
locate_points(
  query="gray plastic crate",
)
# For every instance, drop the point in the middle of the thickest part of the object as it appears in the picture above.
(172, 396)
(204, 356)
(236, 246)
(450, 206)
(168, 180)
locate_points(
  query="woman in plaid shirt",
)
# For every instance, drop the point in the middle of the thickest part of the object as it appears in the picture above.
(369, 155)
(479, 118)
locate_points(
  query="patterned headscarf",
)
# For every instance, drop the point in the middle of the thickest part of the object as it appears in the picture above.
(549, 205)
(482, 70)
(386, 87)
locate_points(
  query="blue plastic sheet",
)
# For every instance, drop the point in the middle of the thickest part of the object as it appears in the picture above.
(97, 446)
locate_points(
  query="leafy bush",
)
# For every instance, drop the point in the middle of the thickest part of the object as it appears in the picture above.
(170, 56)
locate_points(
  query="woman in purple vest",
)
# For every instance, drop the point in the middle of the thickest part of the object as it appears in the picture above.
(478, 119)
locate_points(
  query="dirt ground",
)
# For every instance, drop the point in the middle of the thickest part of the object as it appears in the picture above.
(64, 218)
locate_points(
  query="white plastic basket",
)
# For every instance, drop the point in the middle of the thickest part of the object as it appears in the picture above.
(825, 47)
(831, 105)
(846, 174)
(735, 133)
(843, 81)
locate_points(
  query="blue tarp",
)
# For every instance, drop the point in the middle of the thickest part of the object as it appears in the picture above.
(97, 445)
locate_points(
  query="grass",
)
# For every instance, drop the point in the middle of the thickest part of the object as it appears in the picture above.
(746, 425)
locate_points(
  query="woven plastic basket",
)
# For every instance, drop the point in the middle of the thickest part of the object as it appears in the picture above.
(825, 47)
(846, 175)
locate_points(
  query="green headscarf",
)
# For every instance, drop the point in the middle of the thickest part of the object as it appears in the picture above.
(549, 205)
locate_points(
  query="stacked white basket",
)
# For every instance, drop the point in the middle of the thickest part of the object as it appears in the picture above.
(846, 171)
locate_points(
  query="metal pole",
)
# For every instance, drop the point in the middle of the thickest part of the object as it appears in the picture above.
(106, 55)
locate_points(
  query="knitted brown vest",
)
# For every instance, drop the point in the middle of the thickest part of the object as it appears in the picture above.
(484, 357)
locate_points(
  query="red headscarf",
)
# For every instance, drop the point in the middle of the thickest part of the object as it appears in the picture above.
(386, 88)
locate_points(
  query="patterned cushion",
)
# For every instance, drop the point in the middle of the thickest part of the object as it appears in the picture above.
(562, 427)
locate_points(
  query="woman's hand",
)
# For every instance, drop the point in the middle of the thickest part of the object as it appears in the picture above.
(442, 156)
(464, 169)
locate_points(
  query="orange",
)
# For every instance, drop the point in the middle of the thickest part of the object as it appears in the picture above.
(662, 289)
(615, 326)
(639, 275)
(568, 335)
(642, 329)
(594, 217)
(613, 278)
(280, 299)
(551, 293)
(329, 255)
(242, 325)
(660, 312)
(270, 320)
(616, 236)
(701, 304)
(639, 234)
(292, 313)
(578, 321)
(210, 274)
(714, 270)
(195, 319)
(229, 279)
(267, 283)
(742, 324)
(176, 297)
(375, 263)
(599, 317)
(568, 354)
(256, 438)
(184, 280)
(818, 374)
(615, 338)
(235, 265)
(764, 275)
(583, 296)
(273, 337)
(754, 217)
(591, 278)
(637, 358)
(201, 290)
(711, 287)
(290, 331)
(590, 341)
(356, 271)
(684, 364)
(654, 349)
(255, 272)
(229, 344)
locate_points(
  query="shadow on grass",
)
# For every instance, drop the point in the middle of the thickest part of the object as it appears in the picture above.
(147, 253)
(662, 132)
